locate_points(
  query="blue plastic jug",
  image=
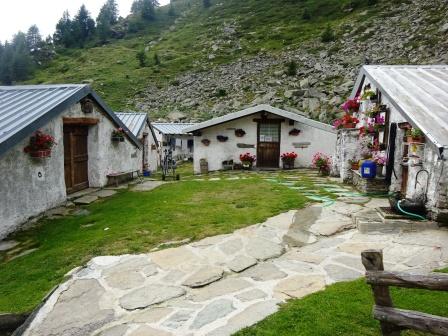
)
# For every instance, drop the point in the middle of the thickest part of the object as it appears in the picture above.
(368, 169)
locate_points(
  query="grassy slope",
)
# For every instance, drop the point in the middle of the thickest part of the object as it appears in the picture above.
(261, 25)
(343, 309)
(137, 223)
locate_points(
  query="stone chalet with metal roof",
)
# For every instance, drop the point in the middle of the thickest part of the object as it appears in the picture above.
(172, 136)
(83, 156)
(263, 131)
(140, 125)
(409, 97)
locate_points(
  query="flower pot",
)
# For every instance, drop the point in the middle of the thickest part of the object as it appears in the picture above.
(411, 139)
(324, 171)
(350, 125)
(355, 166)
(239, 133)
(44, 153)
(247, 165)
(288, 164)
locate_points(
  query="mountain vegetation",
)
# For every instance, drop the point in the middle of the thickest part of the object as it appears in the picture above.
(302, 55)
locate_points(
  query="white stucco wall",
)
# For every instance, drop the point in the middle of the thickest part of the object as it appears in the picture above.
(25, 194)
(217, 152)
(152, 150)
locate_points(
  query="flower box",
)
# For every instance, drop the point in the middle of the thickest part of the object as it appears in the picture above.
(205, 142)
(45, 153)
(222, 138)
(117, 138)
(350, 125)
(411, 139)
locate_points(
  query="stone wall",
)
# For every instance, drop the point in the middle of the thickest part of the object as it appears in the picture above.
(309, 141)
(30, 187)
(346, 149)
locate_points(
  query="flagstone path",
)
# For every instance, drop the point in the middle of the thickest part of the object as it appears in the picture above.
(224, 283)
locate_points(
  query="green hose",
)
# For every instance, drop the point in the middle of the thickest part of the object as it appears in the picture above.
(409, 213)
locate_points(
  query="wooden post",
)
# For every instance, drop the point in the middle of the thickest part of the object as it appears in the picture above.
(373, 261)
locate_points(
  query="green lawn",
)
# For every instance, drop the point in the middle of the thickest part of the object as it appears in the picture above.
(133, 223)
(343, 309)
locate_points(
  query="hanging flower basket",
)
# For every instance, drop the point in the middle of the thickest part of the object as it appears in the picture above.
(40, 145)
(40, 154)
(294, 132)
(222, 138)
(240, 133)
(117, 135)
(205, 142)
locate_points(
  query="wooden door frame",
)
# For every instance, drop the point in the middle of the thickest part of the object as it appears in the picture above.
(72, 157)
(269, 121)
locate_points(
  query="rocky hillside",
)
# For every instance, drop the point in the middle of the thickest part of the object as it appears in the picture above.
(233, 56)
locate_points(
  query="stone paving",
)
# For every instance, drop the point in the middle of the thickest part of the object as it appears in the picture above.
(224, 283)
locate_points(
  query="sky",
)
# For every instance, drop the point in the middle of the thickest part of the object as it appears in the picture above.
(18, 15)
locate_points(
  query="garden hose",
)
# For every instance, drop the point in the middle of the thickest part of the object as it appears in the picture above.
(409, 213)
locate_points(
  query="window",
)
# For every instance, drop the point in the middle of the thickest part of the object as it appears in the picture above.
(269, 132)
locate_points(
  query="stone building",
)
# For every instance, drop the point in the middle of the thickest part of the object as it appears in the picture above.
(263, 131)
(409, 99)
(140, 125)
(172, 136)
(83, 155)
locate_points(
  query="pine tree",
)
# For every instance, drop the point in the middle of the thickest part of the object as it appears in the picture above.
(107, 17)
(63, 35)
(144, 9)
(171, 10)
(83, 26)
(33, 38)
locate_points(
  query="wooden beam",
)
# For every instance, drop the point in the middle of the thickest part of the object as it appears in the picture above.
(80, 121)
(433, 281)
(373, 261)
(407, 319)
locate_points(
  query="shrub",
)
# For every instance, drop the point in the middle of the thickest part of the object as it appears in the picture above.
(291, 68)
(306, 15)
(328, 35)
(221, 93)
(141, 57)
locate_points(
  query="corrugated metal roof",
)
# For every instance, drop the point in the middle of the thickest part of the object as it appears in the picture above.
(261, 108)
(26, 108)
(171, 128)
(419, 93)
(133, 120)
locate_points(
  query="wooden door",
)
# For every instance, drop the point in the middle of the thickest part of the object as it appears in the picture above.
(268, 146)
(76, 157)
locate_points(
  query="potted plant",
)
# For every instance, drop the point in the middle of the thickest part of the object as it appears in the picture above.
(40, 145)
(415, 135)
(369, 94)
(222, 138)
(354, 164)
(240, 133)
(294, 132)
(351, 105)
(347, 121)
(380, 159)
(205, 142)
(247, 160)
(118, 135)
(288, 160)
(322, 162)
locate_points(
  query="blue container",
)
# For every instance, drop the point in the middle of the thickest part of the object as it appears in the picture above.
(146, 173)
(368, 169)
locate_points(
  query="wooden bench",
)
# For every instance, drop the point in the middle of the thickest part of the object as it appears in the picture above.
(115, 177)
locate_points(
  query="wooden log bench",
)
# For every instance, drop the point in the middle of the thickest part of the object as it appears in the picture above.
(115, 177)
(393, 320)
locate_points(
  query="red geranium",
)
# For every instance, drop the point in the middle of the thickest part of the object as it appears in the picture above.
(40, 141)
(351, 105)
(289, 156)
(247, 157)
(345, 120)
